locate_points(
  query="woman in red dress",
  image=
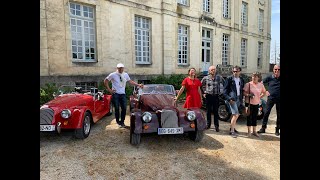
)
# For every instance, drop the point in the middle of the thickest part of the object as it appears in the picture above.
(194, 95)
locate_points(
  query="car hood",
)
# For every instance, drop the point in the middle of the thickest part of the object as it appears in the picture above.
(69, 100)
(156, 101)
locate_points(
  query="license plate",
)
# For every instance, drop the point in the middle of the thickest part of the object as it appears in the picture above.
(47, 127)
(170, 130)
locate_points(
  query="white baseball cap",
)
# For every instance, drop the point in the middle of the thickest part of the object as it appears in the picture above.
(120, 65)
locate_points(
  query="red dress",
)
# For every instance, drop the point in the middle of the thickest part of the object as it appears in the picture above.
(193, 98)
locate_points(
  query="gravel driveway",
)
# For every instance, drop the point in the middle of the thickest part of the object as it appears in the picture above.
(108, 154)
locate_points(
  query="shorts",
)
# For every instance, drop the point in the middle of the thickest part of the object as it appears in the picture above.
(234, 107)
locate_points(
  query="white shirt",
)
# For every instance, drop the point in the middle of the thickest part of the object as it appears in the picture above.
(237, 81)
(118, 84)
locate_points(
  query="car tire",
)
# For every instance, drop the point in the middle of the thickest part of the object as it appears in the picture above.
(223, 113)
(110, 110)
(84, 131)
(135, 139)
(196, 136)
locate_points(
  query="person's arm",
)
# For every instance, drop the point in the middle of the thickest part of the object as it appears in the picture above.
(106, 84)
(226, 89)
(135, 84)
(203, 87)
(179, 93)
(200, 93)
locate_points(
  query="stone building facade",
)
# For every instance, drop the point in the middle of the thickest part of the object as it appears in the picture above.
(82, 40)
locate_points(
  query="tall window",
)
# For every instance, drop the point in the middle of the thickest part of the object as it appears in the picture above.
(184, 2)
(83, 33)
(260, 52)
(183, 44)
(244, 14)
(243, 53)
(206, 45)
(142, 40)
(226, 9)
(260, 20)
(225, 49)
(206, 5)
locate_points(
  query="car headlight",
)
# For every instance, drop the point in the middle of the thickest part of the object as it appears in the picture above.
(146, 117)
(66, 113)
(191, 115)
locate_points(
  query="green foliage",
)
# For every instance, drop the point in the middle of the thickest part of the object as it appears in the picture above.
(46, 92)
(246, 78)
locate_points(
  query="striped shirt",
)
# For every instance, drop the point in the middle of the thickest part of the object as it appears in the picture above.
(211, 85)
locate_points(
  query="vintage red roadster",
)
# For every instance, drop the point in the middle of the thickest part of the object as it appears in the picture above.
(153, 110)
(74, 109)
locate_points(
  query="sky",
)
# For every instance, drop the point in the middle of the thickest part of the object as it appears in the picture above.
(275, 28)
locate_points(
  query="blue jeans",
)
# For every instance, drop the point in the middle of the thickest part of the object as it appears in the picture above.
(119, 99)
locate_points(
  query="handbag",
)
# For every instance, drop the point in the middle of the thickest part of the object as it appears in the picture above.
(247, 109)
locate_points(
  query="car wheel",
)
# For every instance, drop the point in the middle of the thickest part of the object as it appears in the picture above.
(223, 113)
(196, 135)
(84, 132)
(110, 110)
(134, 138)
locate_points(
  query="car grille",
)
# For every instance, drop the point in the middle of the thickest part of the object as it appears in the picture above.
(46, 116)
(169, 119)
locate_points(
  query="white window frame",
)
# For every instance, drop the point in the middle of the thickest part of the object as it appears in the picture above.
(183, 44)
(225, 49)
(206, 50)
(244, 14)
(226, 9)
(206, 6)
(83, 33)
(183, 2)
(142, 39)
(243, 52)
(260, 53)
(260, 20)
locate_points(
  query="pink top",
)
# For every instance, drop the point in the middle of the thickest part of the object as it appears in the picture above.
(256, 89)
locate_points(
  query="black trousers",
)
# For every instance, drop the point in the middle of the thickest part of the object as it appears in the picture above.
(270, 104)
(212, 103)
(119, 100)
(252, 118)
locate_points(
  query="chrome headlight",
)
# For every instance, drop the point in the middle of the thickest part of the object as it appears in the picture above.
(191, 115)
(66, 113)
(146, 117)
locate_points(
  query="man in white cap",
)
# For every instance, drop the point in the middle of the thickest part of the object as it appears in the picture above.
(118, 91)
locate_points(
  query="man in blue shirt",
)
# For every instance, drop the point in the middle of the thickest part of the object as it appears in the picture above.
(273, 83)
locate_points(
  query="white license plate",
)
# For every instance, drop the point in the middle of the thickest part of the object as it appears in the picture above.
(170, 130)
(47, 127)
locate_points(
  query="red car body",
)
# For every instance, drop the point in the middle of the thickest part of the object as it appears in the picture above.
(153, 110)
(85, 109)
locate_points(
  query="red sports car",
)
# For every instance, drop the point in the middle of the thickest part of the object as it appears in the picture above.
(75, 109)
(153, 110)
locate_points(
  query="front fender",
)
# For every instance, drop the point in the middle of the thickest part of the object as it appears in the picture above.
(135, 121)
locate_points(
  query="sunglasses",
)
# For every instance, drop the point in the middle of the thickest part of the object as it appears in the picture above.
(235, 71)
(277, 69)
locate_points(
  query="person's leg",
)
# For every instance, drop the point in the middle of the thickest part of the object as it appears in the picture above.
(123, 104)
(278, 118)
(249, 123)
(254, 114)
(209, 104)
(115, 99)
(270, 104)
(215, 112)
(235, 115)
